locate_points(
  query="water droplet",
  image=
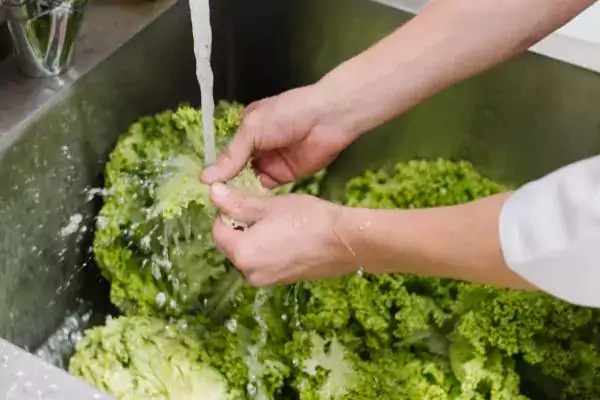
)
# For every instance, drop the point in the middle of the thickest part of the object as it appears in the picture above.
(231, 325)
(251, 389)
(155, 271)
(161, 299)
(145, 242)
(72, 226)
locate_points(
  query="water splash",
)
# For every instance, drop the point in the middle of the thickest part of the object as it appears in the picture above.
(60, 346)
(72, 226)
(255, 388)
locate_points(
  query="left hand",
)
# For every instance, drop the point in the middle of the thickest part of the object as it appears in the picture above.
(290, 238)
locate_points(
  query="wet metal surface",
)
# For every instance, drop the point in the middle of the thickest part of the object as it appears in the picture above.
(24, 377)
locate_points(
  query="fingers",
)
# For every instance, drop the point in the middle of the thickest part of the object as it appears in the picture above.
(240, 148)
(232, 160)
(225, 238)
(234, 244)
(236, 247)
(253, 106)
(237, 205)
(240, 248)
(267, 181)
(274, 166)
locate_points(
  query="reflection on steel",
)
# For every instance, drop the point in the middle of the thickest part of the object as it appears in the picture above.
(43, 33)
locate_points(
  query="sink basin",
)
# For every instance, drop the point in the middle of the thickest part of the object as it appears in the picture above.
(515, 123)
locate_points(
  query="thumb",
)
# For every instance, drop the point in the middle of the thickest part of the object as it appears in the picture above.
(237, 205)
(231, 161)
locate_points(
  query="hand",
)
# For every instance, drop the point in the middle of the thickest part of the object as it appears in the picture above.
(289, 137)
(290, 238)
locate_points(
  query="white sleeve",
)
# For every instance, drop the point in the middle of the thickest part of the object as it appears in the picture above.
(550, 232)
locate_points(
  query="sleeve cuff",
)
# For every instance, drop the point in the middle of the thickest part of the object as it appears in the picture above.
(550, 233)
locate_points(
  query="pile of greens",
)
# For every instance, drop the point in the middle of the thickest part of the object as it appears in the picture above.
(191, 328)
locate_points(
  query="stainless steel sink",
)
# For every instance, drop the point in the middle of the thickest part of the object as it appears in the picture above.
(517, 122)
(55, 136)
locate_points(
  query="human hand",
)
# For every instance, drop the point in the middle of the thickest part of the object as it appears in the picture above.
(290, 238)
(289, 136)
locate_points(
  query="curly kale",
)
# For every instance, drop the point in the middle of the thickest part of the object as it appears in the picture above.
(390, 336)
(491, 332)
(153, 237)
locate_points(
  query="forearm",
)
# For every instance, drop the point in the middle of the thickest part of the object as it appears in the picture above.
(460, 242)
(448, 42)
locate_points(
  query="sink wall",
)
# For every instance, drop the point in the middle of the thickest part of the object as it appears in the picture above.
(48, 162)
(516, 122)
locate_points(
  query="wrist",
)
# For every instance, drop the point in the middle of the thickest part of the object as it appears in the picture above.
(457, 242)
(341, 107)
(341, 231)
(352, 229)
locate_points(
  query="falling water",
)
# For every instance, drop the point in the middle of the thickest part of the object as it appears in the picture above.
(200, 15)
(255, 389)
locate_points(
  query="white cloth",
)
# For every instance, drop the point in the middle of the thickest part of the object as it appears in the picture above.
(550, 232)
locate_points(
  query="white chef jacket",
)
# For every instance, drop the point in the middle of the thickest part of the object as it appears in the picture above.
(550, 232)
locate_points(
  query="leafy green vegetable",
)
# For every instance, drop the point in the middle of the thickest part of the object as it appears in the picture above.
(420, 184)
(485, 332)
(394, 329)
(153, 238)
(148, 358)
(359, 337)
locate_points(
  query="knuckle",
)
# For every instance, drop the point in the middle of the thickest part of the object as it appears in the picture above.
(226, 155)
(252, 122)
(237, 205)
(252, 107)
(224, 158)
(236, 208)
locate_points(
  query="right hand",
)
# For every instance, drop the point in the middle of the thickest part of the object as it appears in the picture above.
(289, 136)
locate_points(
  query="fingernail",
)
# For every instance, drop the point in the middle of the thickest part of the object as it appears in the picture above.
(219, 191)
